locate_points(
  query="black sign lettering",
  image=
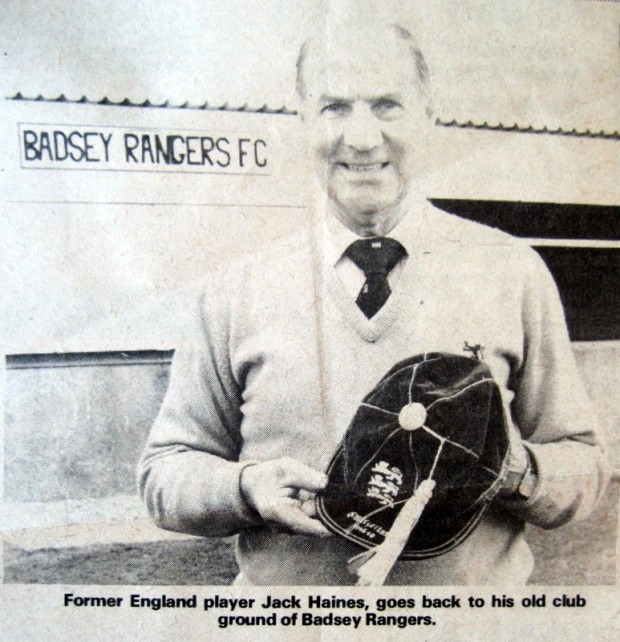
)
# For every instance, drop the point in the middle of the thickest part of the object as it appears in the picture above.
(261, 161)
(52, 147)
(218, 144)
(131, 143)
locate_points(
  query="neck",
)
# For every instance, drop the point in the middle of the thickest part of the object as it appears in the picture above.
(378, 223)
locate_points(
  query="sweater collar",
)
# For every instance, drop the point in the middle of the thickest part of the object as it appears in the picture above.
(412, 232)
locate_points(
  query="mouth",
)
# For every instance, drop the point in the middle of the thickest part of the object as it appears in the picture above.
(362, 168)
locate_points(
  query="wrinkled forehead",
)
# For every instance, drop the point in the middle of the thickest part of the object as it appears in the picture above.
(359, 63)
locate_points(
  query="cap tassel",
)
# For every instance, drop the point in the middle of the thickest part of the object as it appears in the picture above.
(373, 566)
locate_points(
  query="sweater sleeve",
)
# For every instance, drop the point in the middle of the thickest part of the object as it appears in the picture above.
(189, 471)
(554, 414)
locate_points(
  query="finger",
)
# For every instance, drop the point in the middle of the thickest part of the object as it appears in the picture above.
(298, 475)
(308, 506)
(292, 517)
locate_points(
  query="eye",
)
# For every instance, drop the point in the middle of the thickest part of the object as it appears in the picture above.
(335, 109)
(387, 108)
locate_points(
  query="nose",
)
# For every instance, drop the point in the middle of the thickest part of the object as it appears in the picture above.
(362, 130)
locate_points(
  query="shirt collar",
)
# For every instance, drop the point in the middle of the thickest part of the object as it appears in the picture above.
(339, 237)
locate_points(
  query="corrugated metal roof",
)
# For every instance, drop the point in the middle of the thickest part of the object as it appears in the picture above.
(540, 64)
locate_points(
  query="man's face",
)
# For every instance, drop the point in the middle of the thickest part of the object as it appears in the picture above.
(367, 123)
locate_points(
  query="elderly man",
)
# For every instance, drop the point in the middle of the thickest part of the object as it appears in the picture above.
(287, 342)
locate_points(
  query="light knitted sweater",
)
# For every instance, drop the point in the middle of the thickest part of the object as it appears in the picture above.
(280, 356)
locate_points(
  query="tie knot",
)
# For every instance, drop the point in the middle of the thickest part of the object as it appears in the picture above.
(375, 255)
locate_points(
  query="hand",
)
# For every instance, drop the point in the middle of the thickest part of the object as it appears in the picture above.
(282, 491)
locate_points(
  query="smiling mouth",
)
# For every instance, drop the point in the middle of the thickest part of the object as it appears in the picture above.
(364, 167)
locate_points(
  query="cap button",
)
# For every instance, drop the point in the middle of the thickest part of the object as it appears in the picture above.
(412, 416)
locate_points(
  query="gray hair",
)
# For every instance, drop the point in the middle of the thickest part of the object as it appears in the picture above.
(421, 68)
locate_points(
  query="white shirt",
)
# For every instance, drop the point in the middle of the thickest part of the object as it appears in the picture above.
(338, 239)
